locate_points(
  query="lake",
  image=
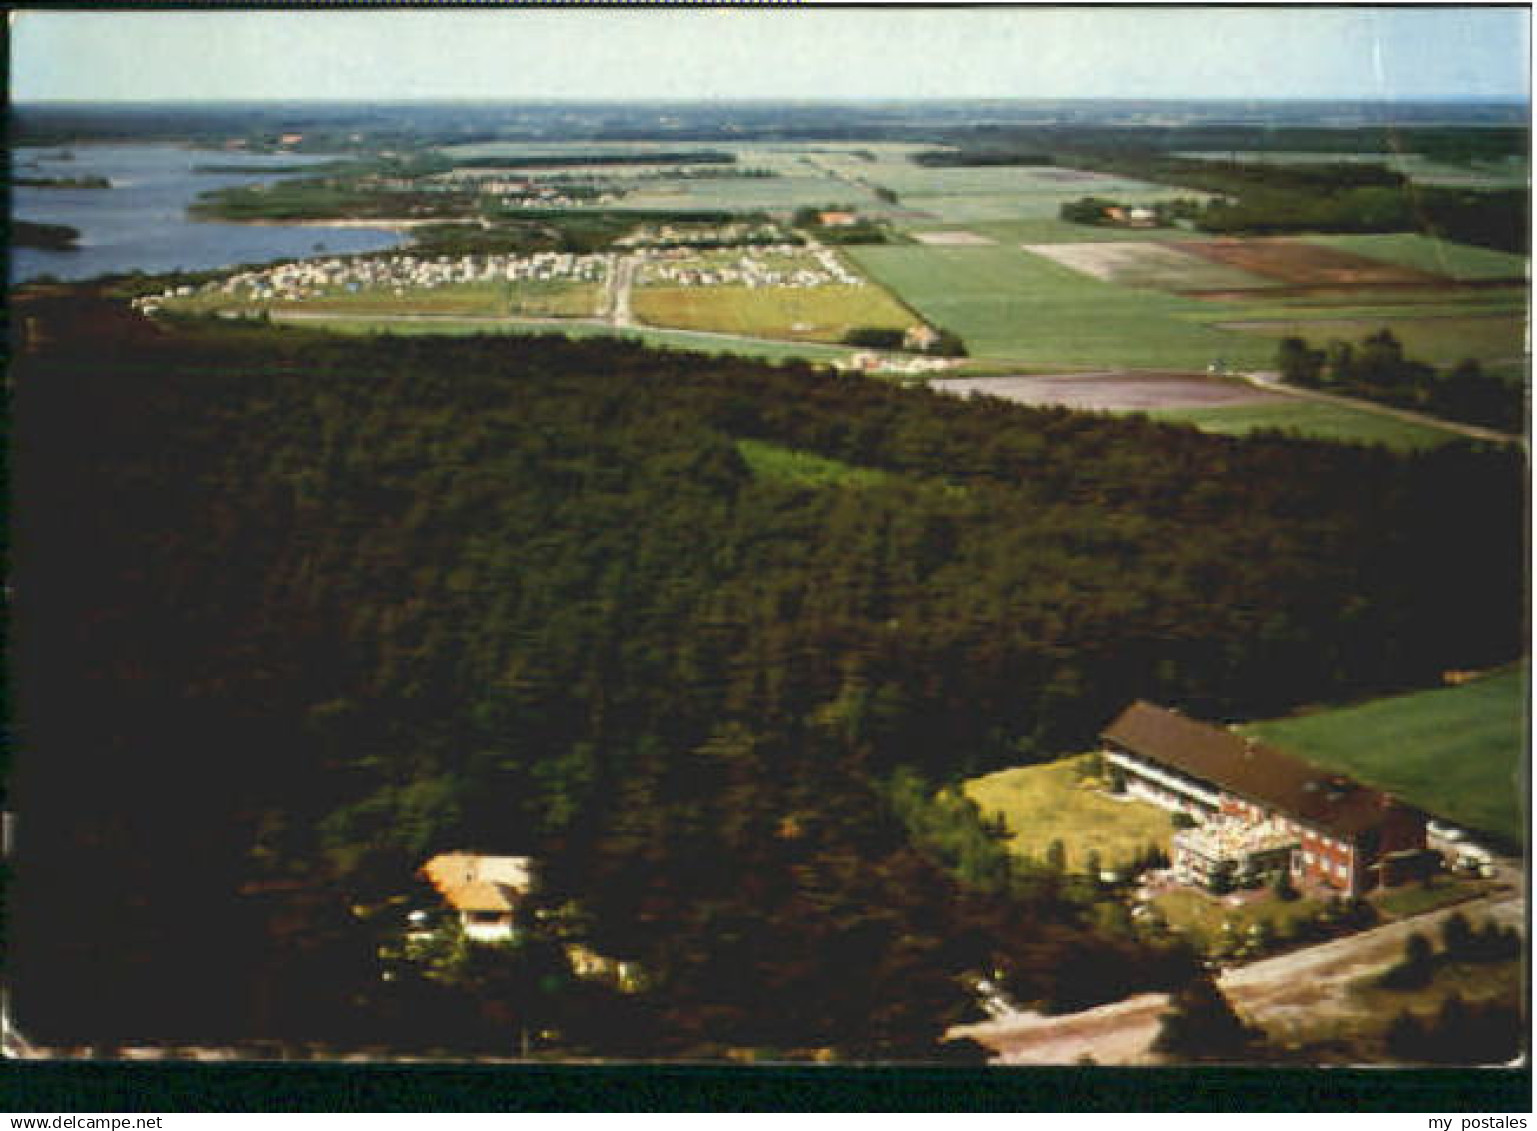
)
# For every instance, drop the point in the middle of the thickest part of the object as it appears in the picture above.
(141, 223)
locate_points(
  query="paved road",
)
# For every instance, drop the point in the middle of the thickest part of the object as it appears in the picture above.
(1271, 382)
(1273, 993)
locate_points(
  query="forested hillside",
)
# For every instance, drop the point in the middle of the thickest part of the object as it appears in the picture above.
(295, 613)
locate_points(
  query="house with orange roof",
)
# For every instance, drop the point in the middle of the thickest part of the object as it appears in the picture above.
(485, 891)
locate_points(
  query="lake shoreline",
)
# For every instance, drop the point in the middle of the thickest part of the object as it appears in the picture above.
(385, 225)
(143, 223)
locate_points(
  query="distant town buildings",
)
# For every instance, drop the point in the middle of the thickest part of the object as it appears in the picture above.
(396, 274)
(837, 219)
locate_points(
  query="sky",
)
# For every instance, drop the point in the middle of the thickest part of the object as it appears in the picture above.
(1377, 53)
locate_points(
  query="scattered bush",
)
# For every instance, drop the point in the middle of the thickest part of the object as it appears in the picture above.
(1202, 1025)
(1459, 1034)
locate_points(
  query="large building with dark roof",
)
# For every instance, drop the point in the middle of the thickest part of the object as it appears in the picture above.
(1258, 806)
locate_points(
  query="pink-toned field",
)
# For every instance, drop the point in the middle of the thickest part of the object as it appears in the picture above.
(953, 238)
(1111, 391)
(1307, 265)
(1145, 264)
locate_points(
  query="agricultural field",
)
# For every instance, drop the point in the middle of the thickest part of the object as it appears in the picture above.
(1009, 304)
(740, 194)
(1439, 257)
(1300, 264)
(815, 314)
(693, 342)
(534, 299)
(1114, 392)
(1512, 173)
(792, 295)
(1439, 339)
(1223, 405)
(991, 260)
(1456, 752)
(1053, 229)
(1059, 801)
(1005, 191)
(952, 237)
(1160, 266)
(1313, 419)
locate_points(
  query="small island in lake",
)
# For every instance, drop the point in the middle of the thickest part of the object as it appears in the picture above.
(46, 237)
(62, 182)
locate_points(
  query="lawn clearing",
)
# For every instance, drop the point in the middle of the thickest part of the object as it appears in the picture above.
(1041, 804)
(1442, 891)
(1200, 915)
(1311, 419)
(1456, 752)
(806, 469)
(817, 314)
(1007, 303)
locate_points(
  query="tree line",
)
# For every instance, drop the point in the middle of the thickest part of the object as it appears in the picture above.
(1378, 369)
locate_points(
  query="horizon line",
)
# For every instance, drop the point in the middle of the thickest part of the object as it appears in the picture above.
(703, 100)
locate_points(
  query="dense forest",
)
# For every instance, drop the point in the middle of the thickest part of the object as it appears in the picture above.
(298, 612)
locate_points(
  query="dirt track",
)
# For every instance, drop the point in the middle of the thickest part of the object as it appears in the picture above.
(1274, 993)
(1272, 381)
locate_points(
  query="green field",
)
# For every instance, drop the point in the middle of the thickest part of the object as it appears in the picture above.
(1149, 264)
(556, 299)
(1435, 338)
(665, 339)
(1440, 257)
(741, 194)
(1007, 303)
(1040, 804)
(806, 469)
(1049, 229)
(1457, 752)
(1376, 305)
(552, 299)
(817, 314)
(1513, 173)
(1313, 419)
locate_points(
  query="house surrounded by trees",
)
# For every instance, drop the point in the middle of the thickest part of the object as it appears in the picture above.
(1257, 810)
(484, 891)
